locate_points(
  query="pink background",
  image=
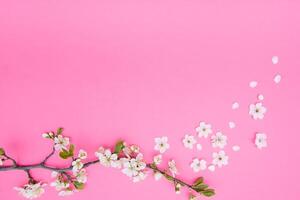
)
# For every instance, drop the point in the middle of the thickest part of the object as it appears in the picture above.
(140, 69)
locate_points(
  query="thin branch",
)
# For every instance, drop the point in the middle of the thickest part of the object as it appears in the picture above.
(11, 159)
(51, 154)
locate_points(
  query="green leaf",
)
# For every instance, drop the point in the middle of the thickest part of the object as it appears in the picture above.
(200, 187)
(64, 154)
(2, 152)
(198, 181)
(168, 177)
(208, 192)
(59, 130)
(119, 147)
(78, 185)
(71, 150)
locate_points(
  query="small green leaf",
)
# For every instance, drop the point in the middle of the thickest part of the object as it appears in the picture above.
(78, 185)
(198, 181)
(200, 187)
(208, 192)
(168, 177)
(2, 152)
(59, 130)
(119, 147)
(71, 150)
(64, 154)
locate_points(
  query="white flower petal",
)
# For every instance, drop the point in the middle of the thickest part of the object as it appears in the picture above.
(236, 148)
(277, 78)
(275, 60)
(211, 168)
(235, 105)
(253, 84)
(231, 125)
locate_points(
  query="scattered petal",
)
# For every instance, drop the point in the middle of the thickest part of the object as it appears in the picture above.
(275, 60)
(211, 168)
(236, 148)
(253, 84)
(199, 147)
(277, 78)
(235, 105)
(231, 125)
(260, 97)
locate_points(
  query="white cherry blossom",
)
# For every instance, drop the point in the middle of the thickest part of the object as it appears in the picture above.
(61, 142)
(198, 165)
(77, 165)
(161, 144)
(260, 97)
(60, 184)
(204, 129)
(261, 140)
(31, 190)
(134, 167)
(81, 176)
(189, 141)
(157, 159)
(219, 140)
(107, 158)
(82, 154)
(172, 167)
(220, 158)
(257, 111)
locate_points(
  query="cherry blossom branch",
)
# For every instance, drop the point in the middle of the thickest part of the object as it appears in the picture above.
(71, 178)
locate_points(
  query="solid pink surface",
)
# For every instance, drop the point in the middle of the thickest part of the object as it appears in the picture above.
(136, 70)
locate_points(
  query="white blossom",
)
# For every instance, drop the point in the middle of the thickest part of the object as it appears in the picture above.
(31, 190)
(161, 144)
(260, 97)
(134, 167)
(198, 165)
(204, 129)
(220, 158)
(82, 154)
(77, 165)
(257, 111)
(60, 184)
(219, 140)
(61, 142)
(261, 140)
(157, 159)
(172, 167)
(189, 141)
(107, 158)
(81, 176)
